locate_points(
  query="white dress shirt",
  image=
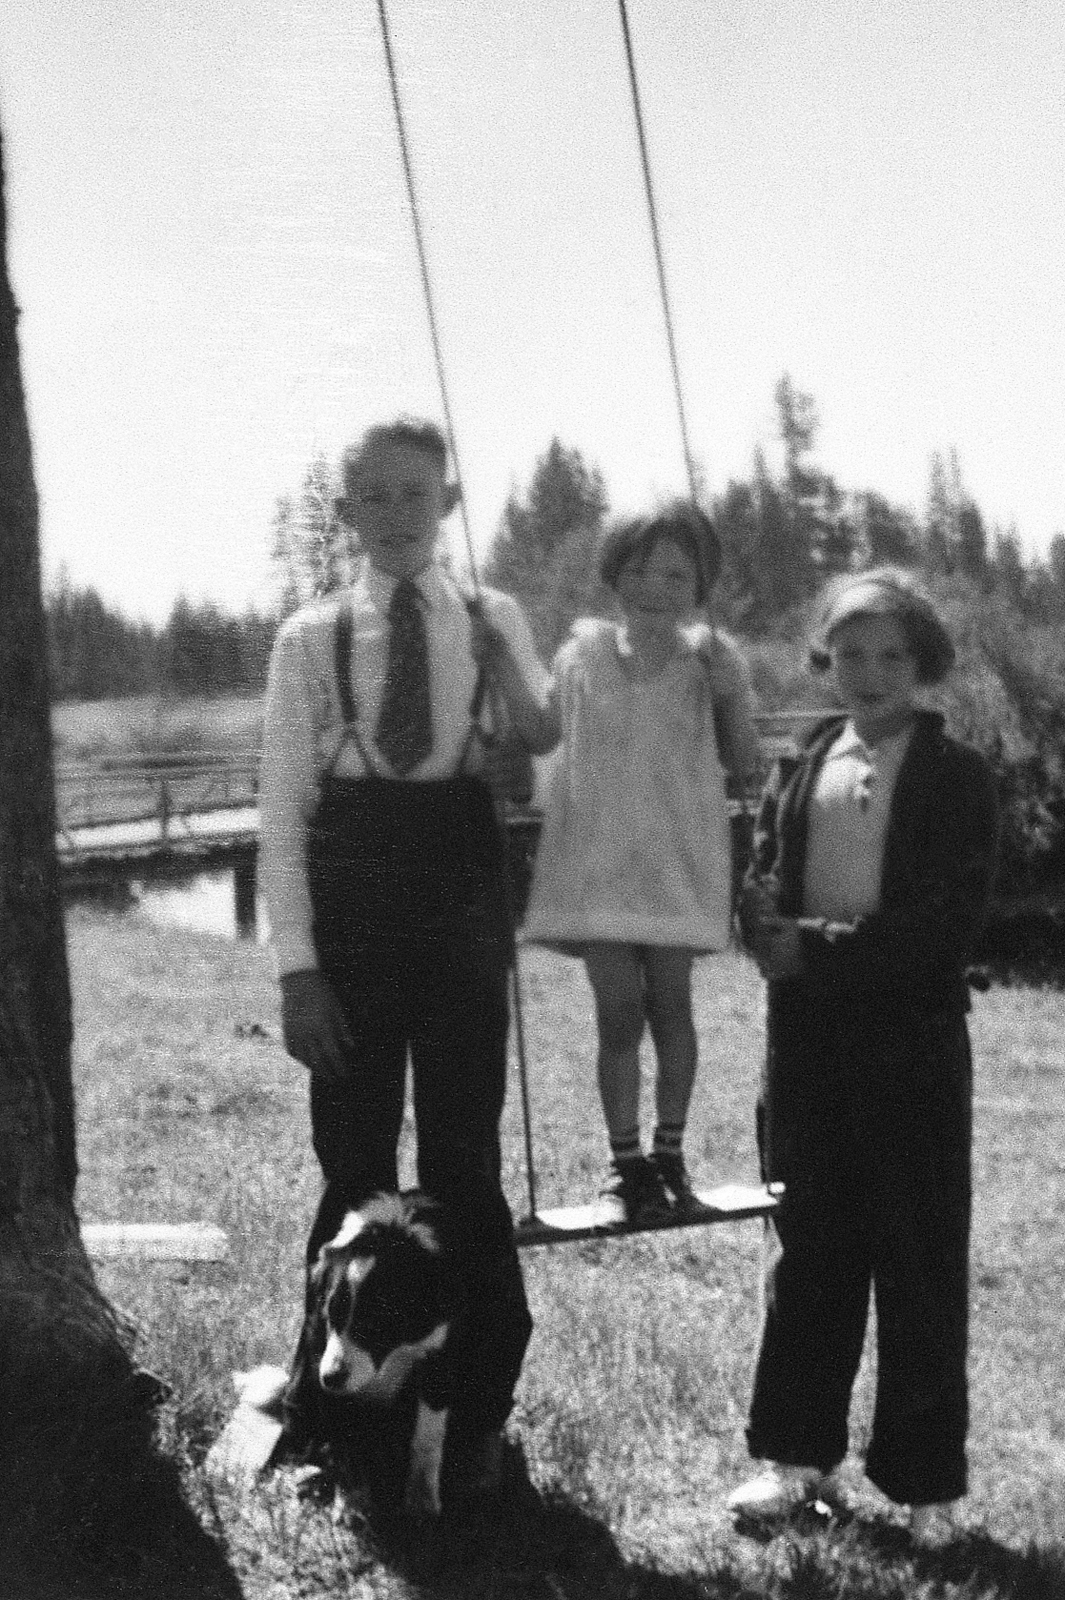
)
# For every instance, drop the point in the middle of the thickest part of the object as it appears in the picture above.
(848, 819)
(304, 732)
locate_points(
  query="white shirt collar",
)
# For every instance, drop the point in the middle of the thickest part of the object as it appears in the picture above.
(380, 586)
(849, 742)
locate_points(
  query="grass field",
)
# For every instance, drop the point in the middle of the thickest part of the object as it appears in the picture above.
(631, 1407)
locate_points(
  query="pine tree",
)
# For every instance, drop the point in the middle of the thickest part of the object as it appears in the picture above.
(940, 532)
(546, 539)
(817, 537)
(310, 545)
(886, 535)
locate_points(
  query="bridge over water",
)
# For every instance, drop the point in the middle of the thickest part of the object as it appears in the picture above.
(188, 813)
(174, 817)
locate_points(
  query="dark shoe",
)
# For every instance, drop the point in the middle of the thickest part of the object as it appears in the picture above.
(674, 1175)
(638, 1187)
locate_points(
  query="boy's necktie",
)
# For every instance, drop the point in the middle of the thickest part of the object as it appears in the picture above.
(404, 732)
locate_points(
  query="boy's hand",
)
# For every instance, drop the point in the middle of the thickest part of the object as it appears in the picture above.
(488, 643)
(313, 1025)
(534, 720)
(757, 907)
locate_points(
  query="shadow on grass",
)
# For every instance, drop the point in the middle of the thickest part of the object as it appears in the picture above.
(523, 1545)
(546, 1545)
(821, 1557)
(980, 1565)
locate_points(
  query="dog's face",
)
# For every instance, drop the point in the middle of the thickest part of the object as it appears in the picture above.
(385, 1298)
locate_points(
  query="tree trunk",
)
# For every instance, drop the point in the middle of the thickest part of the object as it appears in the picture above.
(69, 1396)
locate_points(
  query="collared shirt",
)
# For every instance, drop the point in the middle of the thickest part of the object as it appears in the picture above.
(848, 819)
(304, 731)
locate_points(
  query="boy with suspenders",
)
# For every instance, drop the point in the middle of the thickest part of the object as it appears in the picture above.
(384, 871)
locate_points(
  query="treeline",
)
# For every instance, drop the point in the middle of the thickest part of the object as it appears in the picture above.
(783, 534)
(95, 652)
(784, 529)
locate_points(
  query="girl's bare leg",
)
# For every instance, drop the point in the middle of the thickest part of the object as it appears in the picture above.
(616, 977)
(669, 1011)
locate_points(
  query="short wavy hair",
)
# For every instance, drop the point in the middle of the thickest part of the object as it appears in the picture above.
(886, 592)
(418, 432)
(680, 521)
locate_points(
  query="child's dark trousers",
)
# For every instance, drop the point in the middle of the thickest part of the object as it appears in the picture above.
(868, 1123)
(410, 926)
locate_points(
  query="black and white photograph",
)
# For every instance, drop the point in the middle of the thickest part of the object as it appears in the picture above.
(532, 800)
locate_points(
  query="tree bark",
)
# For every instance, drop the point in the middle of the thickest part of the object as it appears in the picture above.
(69, 1396)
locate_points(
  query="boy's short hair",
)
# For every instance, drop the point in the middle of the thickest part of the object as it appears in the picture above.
(419, 432)
(680, 521)
(886, 592)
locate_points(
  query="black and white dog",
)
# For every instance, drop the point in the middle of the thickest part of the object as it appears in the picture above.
(388, 1307)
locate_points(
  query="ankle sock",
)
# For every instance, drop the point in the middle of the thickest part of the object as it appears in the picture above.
(669, 1139)
(627, 1148)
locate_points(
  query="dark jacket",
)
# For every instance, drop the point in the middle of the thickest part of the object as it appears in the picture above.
(939, 863)
(869, 1043)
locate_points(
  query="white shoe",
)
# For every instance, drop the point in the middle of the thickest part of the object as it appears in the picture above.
(777, 1490)
(933, 1525)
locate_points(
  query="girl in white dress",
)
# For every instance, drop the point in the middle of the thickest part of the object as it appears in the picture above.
(633, 873)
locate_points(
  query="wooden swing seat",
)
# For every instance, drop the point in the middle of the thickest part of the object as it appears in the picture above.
(603, 1218)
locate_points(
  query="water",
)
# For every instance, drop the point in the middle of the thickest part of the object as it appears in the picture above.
(203, 904)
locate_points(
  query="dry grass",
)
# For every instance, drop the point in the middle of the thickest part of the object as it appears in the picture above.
(632, 1403)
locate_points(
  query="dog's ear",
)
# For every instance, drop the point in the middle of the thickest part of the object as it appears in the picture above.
(313, 1337)
(317, 1275)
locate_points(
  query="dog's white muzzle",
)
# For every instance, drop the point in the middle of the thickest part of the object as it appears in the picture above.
(347, 1369)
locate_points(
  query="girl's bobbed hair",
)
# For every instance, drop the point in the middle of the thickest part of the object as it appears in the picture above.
(886, 592)
(680, 521)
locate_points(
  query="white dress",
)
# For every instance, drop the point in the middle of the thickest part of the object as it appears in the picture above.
(635, 845)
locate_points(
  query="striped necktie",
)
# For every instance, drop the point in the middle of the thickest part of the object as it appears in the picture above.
(404, 732)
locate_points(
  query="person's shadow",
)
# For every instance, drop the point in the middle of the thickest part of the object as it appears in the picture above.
(549, 1545)
(518, 1543)
(969, 1562)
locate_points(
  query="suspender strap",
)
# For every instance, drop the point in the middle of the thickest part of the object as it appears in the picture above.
(342, 662)
(477, 700)
(343, 638)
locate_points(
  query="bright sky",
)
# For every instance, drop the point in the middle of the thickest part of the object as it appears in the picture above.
(212, 250)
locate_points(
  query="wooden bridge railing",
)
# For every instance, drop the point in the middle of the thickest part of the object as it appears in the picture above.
(129, 789)
(92, 793)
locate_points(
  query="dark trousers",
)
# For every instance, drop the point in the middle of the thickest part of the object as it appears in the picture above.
(424, 979)
(875, 1155)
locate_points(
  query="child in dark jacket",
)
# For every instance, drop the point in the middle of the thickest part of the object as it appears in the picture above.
(873, 860)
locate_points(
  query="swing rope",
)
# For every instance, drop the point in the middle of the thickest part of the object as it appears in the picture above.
(652, 213)
(423, 265)
(723, 1205)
